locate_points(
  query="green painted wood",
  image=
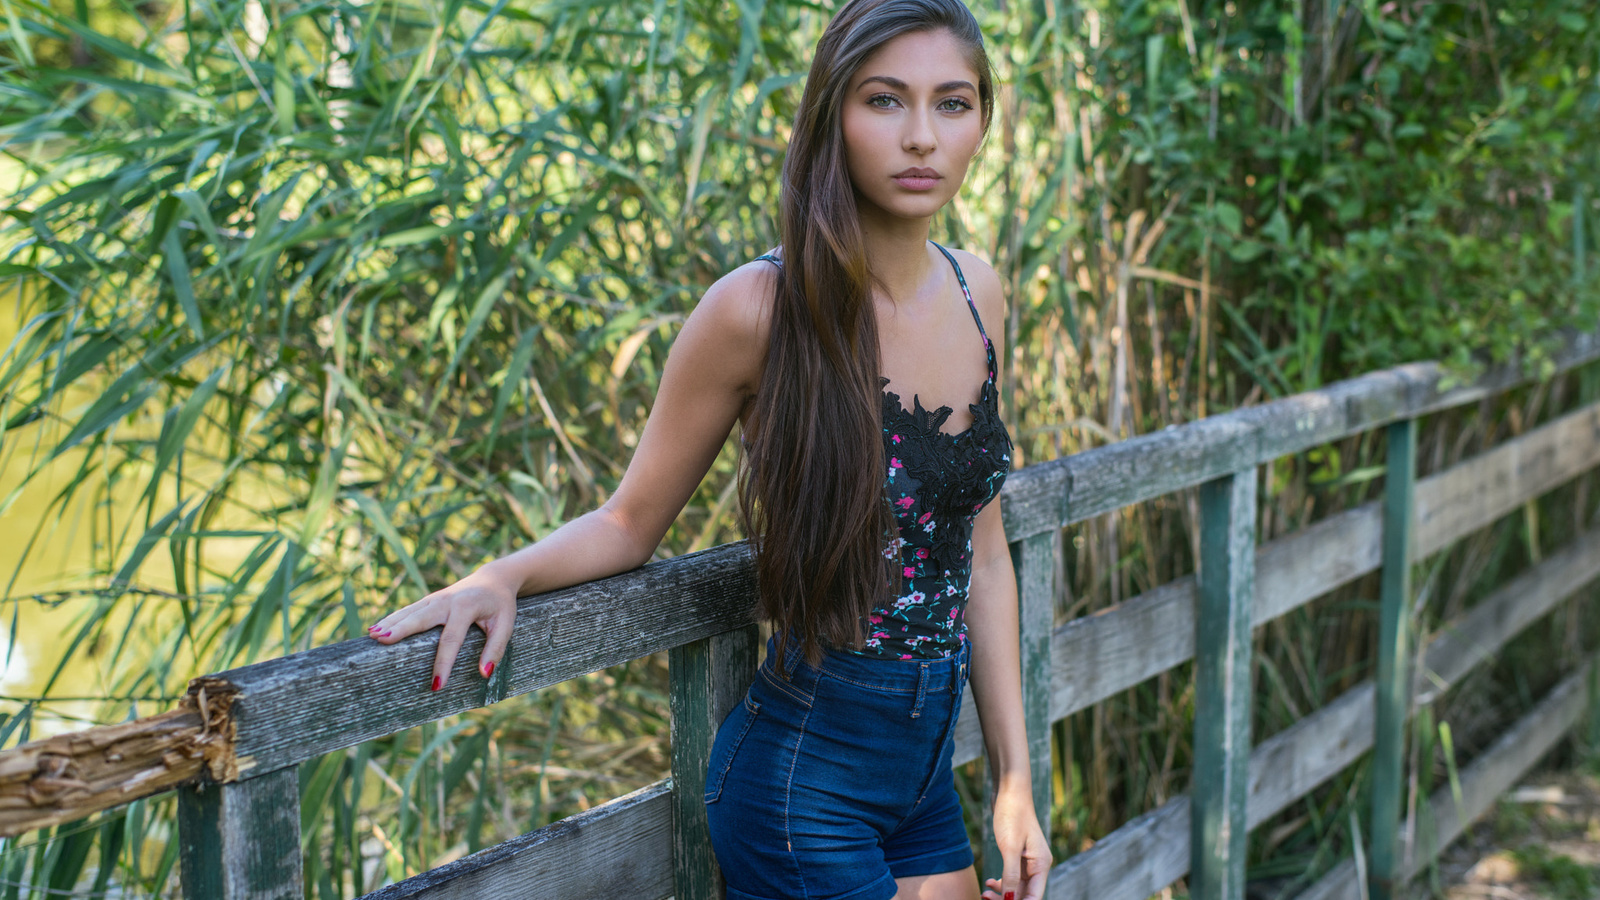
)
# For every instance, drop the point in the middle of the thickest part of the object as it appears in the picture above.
(1034, 561)
(241, 841)
(1218, 828)
(1393, 676)
(707, 678)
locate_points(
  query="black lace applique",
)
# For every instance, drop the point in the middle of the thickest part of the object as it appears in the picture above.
(937, 483)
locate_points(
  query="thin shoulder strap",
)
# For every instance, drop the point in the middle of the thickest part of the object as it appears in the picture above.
(988, 345)
(771, 259)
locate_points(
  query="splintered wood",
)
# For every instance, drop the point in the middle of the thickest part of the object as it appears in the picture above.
(72, 775)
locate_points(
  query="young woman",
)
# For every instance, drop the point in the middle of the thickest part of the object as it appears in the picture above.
(880, 558)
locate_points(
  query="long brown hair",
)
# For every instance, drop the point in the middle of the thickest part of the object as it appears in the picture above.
(812, 494)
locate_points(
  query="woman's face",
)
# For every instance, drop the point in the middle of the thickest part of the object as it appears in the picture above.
(911, 124)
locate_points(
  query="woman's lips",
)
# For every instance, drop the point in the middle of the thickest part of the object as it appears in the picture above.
(916, 182)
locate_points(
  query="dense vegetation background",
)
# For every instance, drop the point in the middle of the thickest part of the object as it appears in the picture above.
(312, 305)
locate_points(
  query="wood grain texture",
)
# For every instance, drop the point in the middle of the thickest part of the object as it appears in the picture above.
(1097, 656)
(707, 678)
(301, 706)
(622, 848)
(1496, 482)
(241, 841)
(1131, 863)
(1142, 468)
(1293, 762)
(1222, 699)
(1152, 851)
(69, 776)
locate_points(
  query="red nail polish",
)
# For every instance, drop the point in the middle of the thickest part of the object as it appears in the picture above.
(1011, 895)
(437, 682)
(488, 670)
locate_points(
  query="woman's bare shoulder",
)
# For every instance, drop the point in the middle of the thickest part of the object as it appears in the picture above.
(733, 320)
(987, 291)
(738, 306)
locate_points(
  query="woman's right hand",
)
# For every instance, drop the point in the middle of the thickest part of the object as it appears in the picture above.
(479, 599)
(714, 368)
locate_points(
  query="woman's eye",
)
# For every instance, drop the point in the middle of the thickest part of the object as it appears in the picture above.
(948, 104)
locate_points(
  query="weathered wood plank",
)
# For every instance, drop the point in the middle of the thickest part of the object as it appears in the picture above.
(1498, 481)
(622, 848)
(300, 706)
(1488, 776)
(1137, 860)
(1480, 631)
(707, 678)
(68, 776)
(1152, 851)
(1222, 698)
(1394, 672)
(241, 841)
(1495, 770)
(1097, 656)
(1145, 467)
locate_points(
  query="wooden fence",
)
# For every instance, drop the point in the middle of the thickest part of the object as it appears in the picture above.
(232, 751)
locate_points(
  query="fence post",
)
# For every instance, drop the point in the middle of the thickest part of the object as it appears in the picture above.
(1218, 829)
(241, 841)
(1034, 559)
(1386, 865)
(707, 677)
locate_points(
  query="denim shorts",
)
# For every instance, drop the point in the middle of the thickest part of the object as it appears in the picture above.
(830, 784)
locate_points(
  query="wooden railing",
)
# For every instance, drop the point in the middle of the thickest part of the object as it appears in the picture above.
(232, 751)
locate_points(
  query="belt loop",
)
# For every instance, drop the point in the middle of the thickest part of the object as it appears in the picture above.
(922, 691)
(791, 656)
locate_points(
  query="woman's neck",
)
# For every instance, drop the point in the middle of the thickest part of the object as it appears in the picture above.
(897, 254)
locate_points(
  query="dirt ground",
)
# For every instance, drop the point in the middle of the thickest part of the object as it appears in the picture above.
(1541, 842)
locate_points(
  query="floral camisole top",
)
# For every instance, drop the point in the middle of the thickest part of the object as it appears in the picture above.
(937, 483)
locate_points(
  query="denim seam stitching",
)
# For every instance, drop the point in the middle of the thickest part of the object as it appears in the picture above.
(873, 687)
(949, 726)
(733, 752)
(790, 690)
(788, 795)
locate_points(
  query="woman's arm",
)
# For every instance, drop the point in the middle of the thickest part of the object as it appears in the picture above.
(997, 691)
(713, 369)
(992, 625)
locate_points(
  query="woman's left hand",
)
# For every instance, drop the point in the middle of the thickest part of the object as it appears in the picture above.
(1023, 848)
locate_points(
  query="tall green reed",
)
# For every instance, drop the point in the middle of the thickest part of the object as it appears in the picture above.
(319, 306)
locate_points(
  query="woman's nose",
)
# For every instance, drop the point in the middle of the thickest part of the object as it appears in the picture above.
(918, 136)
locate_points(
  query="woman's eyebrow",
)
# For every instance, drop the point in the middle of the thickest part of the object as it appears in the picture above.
(899, 85)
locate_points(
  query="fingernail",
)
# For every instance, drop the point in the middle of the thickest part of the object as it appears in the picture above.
(438, 682)
(488, 670)
(1011, 895)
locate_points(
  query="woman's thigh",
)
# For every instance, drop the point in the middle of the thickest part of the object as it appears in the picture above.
(962, 885)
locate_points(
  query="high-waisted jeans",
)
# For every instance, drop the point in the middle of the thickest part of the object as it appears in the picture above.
(834, 781)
